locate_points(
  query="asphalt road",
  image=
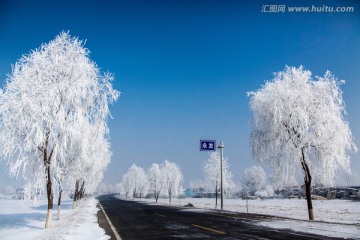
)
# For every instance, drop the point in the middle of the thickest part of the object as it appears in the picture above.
(139, 220)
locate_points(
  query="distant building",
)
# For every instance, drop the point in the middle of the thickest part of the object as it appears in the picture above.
(189, 192)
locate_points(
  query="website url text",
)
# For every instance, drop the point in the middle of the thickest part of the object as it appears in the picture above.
(312, 9)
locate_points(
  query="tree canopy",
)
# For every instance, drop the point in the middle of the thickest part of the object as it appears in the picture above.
(294, 112)
(299, 127)
(54, 101)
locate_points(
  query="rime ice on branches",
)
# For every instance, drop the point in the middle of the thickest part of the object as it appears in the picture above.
(299, 127)
(53, 111)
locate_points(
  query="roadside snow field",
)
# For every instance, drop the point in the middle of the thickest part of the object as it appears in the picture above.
(334, 218)
(336, 211)
(19, 219)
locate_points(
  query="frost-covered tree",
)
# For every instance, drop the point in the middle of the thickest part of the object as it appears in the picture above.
(50, 93)
(155, 180)
(253, 179)
(127, 184)
(267, 192)
(135, 181)
(299, 127)
(172, 178)
(199, 184)
(143, 182)
(90, 160)
(211, 170)
(350, 179)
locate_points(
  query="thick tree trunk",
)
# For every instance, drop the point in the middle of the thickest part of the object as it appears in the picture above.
(134, 194)
(82, 190)
(308, 198)
(307, 179)
(156, 196)
(59, 203)
(83, 193)
(76, 193)
(50, 197)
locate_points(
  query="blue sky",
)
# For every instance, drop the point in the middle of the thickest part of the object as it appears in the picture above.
(184, 67)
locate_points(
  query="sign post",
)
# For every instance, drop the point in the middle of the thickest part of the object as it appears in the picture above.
(209, 145)
(221, 146)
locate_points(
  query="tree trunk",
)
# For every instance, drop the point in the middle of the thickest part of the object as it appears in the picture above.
(307, 179)
(59, 202)
(82, 190)
(50, 196)
(76, 193)
(156, 196)
(170, 196)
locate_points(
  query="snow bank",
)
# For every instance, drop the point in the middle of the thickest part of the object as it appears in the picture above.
(19, 219)
(334, 218)
(319, 228)
(335, 211)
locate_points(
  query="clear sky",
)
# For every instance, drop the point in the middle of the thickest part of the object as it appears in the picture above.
(183, 67)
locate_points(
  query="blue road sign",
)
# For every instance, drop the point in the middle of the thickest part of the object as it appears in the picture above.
(207, 145)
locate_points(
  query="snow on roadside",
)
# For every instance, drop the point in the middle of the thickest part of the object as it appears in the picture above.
(334, 218)
(19, 219)
(336, 211)
(319, 228)
(86, 224)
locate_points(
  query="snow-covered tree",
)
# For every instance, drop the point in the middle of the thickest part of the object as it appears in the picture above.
(253, 179)
(106, 188)
(91, 160)
(199, 184)
(49, 94)
(267, 192)
(350, 179)
(172, 178)
(155, 180)
(299, 127)
(143, 182)
(212, 169)
(135, 181)
(127, 184)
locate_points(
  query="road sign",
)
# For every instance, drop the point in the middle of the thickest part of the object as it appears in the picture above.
(207, 145)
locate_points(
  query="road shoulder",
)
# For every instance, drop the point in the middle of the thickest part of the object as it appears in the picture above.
(103, 223)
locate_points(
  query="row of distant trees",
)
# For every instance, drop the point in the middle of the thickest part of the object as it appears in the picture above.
(253, 179)
(160, 179)
(155, 182)
(166, 180)
(53, 112)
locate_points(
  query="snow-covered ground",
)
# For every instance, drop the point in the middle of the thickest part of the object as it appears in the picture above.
(334, 218)
(336, 211)
(21, 220)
